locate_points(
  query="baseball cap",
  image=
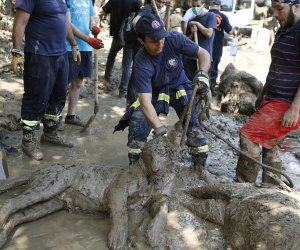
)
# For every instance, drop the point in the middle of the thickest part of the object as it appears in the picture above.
(151, 27)
(217, 2)
(292, 2)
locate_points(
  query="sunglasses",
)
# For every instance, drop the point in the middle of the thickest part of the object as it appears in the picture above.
(162, 2)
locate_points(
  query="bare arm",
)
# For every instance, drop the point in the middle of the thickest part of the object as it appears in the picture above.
(70, 35)
(204, 60)
(20, 23)
(207, 32)
(148, 110)
(291, 116)
(79, 34)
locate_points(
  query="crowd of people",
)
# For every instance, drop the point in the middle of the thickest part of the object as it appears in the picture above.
(166, 66)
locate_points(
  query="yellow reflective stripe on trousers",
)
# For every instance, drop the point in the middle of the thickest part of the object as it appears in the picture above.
(134, 150)
(51, 117)
(136, 103)
(203, 149)
(30, 123)
(164, 97)
(180, 93)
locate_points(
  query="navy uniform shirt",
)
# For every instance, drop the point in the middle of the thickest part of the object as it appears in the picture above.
(152, 73)
(46, 31)
(222, 25)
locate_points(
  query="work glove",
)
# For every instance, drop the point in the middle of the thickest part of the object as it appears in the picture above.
(202, 82)
(17, 59)
(95, 43)
(162, 130)
(95, 30)
(203, 94)
(76, 54)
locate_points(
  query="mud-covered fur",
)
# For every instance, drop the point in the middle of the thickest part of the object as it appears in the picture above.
(145, 185)
(238, 91)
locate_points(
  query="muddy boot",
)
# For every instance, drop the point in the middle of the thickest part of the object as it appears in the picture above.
(213, 84)
(133, 158)
(29, 145)
(54, 138)
(271, 158)
(199, 161)
(247, 170)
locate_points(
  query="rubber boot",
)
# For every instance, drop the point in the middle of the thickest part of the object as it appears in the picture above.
(53, 138)
(199, 161)
(213, 84)
(29, 145)
(271, 158)
(133, 158)
(247, 170)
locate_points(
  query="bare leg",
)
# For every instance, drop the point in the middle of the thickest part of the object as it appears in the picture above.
(73, 95)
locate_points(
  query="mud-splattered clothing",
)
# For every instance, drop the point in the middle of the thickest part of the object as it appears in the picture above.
(164, 77)
(264, 127)
(46, 30)
(46, 63)
(282, 83)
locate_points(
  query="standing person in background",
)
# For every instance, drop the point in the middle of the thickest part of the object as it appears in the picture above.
(204, 24)
(82, 20)
(146, 10)
(175, 21)
(222, 25)
(46, 26)
(279, 103)
(119, 10)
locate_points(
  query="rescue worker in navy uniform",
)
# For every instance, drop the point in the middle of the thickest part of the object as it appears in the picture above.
(161, 82)
(222, 25)
(45, 26)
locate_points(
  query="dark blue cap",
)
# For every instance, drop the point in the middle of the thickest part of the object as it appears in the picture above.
(217, 2)
(151, 27)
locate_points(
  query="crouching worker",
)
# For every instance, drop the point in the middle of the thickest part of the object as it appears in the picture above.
(161, 82)
(279, 103)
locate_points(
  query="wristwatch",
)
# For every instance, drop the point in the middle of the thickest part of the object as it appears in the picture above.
(17, 52)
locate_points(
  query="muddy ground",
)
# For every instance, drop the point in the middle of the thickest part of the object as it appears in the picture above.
(64, 230)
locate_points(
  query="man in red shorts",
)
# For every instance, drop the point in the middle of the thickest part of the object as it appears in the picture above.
(278, 113)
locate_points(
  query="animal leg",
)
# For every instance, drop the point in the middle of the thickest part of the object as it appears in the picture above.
(9, 184)
(117, 206)
(30, 214)
(44, 185)
(158, 223)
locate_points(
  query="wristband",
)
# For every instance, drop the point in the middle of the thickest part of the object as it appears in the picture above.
(17, 52)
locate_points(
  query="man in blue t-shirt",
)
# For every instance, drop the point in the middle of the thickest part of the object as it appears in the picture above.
(82, 20)
(46, 27)
(204, 24)
(222, 25)
(161, 82)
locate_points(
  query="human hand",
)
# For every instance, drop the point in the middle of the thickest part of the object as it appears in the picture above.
(290, 117)
(95, 30)
(202, 82)
(162, 130)
(17, 59)
(76, 54)
(194, 28)
(95, 43)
